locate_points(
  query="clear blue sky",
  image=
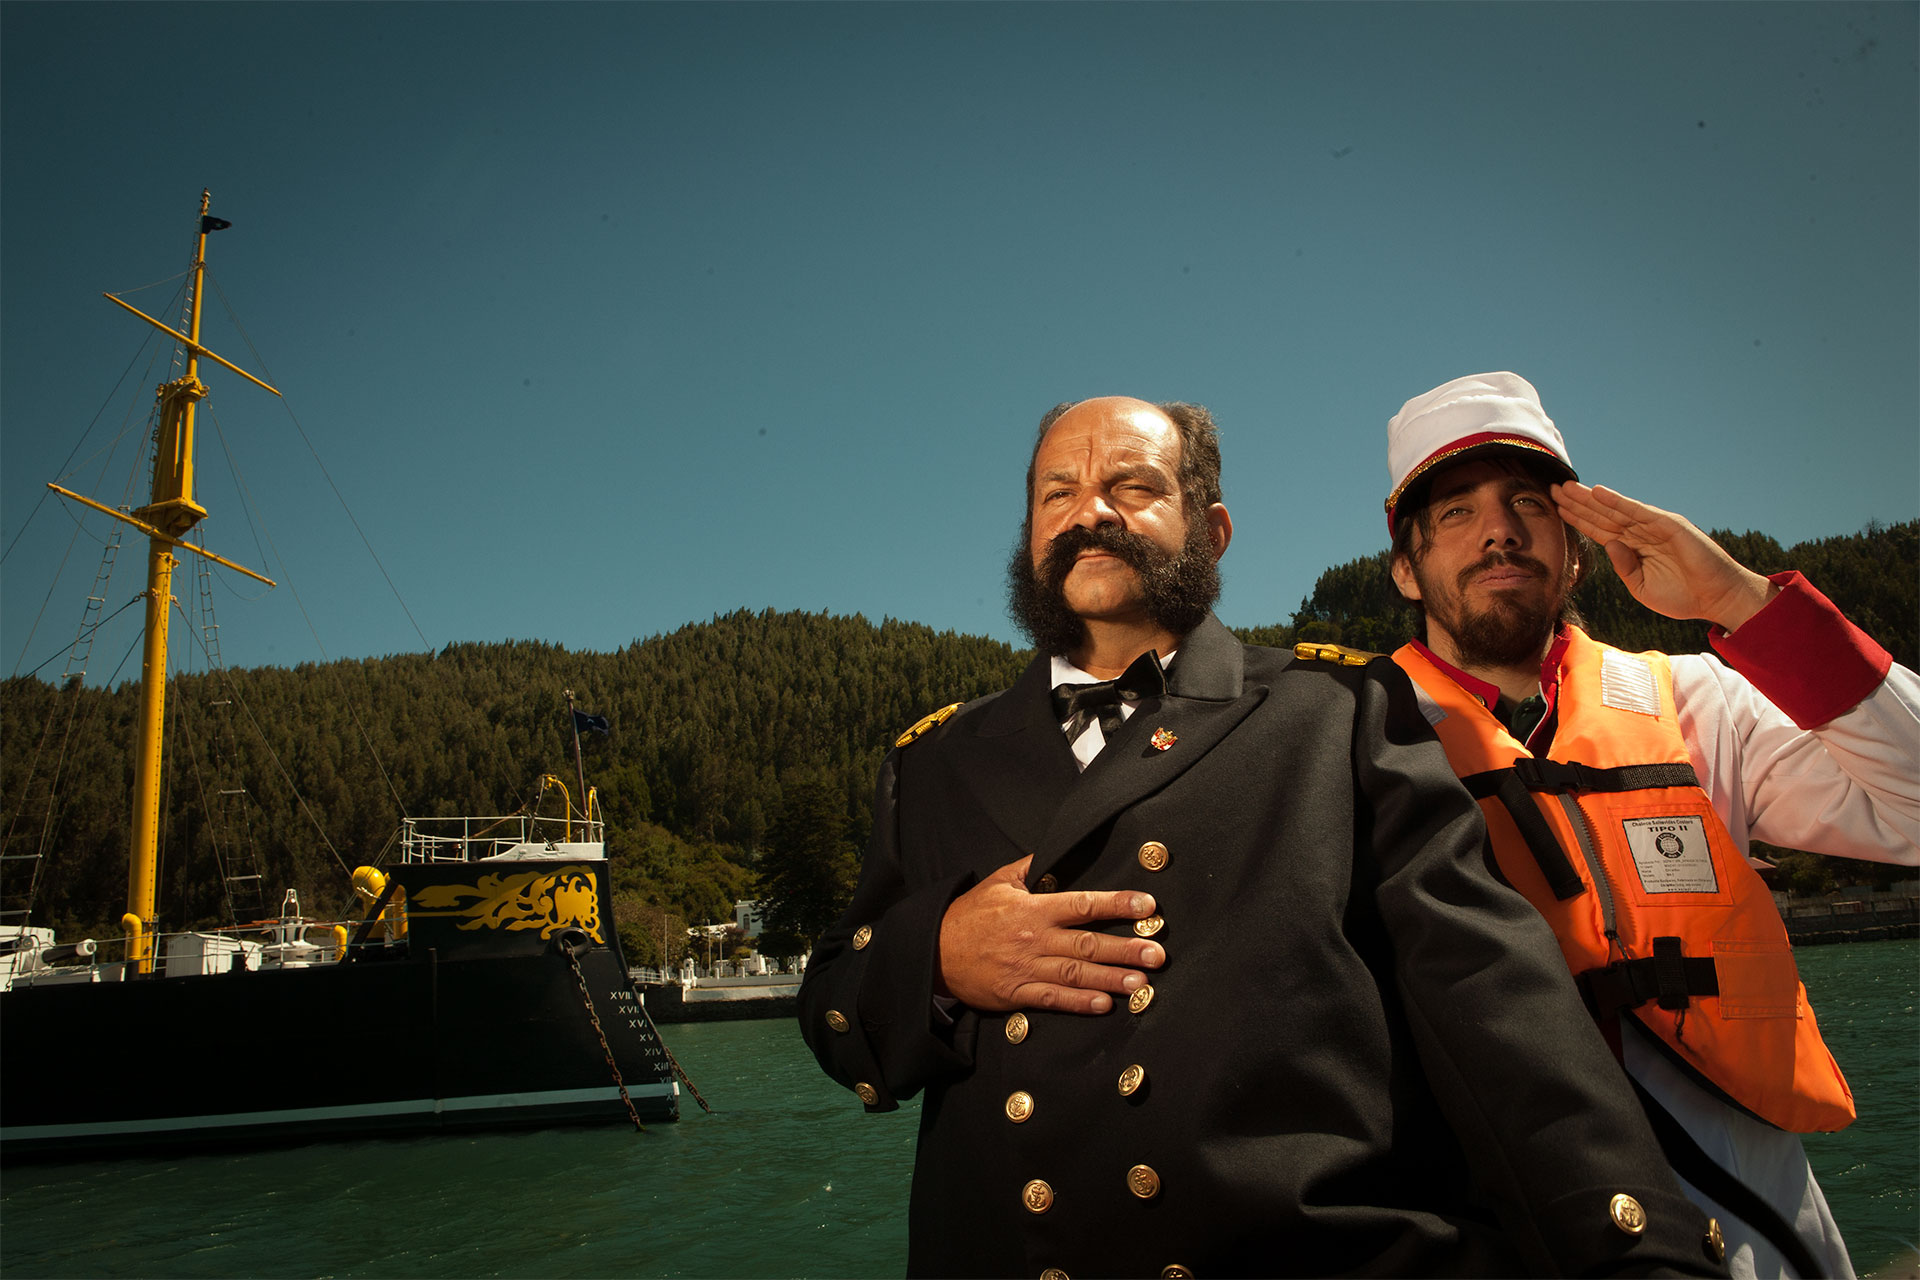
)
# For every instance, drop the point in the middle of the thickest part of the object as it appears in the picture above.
(606, 318)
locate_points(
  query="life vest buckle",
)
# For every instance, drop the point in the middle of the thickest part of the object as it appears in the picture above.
(1669, 977)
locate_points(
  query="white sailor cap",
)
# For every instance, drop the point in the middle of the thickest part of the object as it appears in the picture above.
(1479, 413)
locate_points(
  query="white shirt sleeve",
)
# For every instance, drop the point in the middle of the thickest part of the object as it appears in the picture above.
(1850, 788)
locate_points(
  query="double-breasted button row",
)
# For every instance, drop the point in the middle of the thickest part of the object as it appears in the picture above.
(1142, 1180)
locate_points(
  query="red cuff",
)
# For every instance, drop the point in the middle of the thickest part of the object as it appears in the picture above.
(1804, 655)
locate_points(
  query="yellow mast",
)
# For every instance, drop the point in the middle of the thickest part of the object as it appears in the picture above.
(165, 520)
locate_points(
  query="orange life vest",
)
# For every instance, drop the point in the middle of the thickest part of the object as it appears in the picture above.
(1658, 915)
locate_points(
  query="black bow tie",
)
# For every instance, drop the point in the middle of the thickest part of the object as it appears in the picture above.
(1080, 705)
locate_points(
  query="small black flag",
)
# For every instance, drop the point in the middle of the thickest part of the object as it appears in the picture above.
(210, 223)
(581, 720)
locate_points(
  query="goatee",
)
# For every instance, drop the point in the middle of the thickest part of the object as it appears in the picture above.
(1176, 589)
(1513, 629)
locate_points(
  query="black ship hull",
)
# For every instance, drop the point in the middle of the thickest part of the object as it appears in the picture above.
(476, 1020)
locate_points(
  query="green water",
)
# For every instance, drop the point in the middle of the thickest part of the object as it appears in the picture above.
(1867, 997)
(788, 1178)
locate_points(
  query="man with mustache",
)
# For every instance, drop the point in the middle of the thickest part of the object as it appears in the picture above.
(1192, 952)
(1621, 790)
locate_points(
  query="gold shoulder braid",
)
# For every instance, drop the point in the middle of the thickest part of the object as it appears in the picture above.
(925, 723)
(1308, 651)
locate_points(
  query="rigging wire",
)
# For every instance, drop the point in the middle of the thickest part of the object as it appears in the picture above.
(286, 580)
(67, 469)
(233, 690)
(68, 466)
(247, 504)
(292, 417)
(94, 629)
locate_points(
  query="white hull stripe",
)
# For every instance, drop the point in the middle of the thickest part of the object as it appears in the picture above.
(354, 1111)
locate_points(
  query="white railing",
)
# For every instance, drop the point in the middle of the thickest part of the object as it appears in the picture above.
(471, 839)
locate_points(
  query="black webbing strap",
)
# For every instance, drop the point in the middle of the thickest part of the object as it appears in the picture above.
(1560, 776)
(1513, 787)
(1506, 786)
(1667, 977)
(1725, 1190)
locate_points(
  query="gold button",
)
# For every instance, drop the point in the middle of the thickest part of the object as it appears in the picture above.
(1046, 884)
(1019, 1106)
(1716, 1243)
(1627, 1214)
(1174, 1271)
(1016, 1027)
(1140, 999)
(1053, 1273)
(862, 936)
(1153, 855)
(1037, 1196)
(1150, 926)
(837, 1020)
(1131, 1079)
(1143, 1181)
(867, 1093)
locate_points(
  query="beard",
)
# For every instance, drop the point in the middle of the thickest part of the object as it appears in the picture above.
(1514, 626)
(1176, 589)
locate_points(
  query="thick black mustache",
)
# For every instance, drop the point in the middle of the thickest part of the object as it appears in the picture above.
(1136, 549)
(1493, 559)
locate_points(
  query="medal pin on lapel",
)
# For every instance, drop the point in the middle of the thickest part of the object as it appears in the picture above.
(1163, 738)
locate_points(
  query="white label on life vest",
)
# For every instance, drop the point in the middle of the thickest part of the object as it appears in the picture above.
(1671, 855)
(1432, 710)
(1626, 684)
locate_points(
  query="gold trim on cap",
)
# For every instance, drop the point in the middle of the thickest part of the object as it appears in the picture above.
(1517, 442)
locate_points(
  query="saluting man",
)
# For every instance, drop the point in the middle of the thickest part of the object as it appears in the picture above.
(1193, 951)
(1621, 789)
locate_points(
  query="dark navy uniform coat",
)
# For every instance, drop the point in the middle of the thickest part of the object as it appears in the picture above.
(1364, 1054)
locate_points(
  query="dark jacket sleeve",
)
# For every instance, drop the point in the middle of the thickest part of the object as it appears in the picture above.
(878, 985)
(1545, 1114)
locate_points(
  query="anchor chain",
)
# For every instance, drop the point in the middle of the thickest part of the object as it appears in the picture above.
(680, 1070)
(586, 998)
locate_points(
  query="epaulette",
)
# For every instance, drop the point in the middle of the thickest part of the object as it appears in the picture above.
(925, 723)
(1309, 651)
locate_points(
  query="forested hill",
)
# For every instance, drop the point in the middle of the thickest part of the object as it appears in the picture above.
(712, 727)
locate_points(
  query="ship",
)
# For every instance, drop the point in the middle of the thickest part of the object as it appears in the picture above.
(480, 985)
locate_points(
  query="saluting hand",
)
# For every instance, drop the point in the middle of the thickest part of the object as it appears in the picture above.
(1003, 947)
(1668, 564)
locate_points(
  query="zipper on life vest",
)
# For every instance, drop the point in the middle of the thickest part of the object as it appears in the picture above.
(1602, 884)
